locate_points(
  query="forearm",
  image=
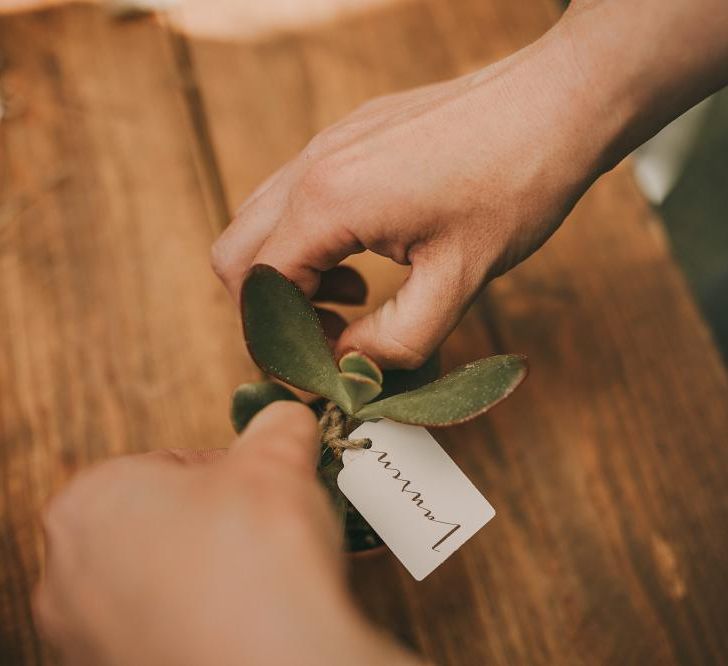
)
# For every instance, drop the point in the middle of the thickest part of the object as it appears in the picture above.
(644, 63)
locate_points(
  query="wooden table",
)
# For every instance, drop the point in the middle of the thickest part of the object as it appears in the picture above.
(125, 151)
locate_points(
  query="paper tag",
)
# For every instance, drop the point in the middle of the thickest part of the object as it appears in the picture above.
(412, 493)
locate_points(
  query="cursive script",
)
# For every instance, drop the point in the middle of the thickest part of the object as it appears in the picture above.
(416, 497)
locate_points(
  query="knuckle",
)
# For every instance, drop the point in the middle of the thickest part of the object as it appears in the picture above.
(43, 615)
(58, 516)
(374, 103)
(70, 508)
(78, 505)
(317, 146)
(220, 260)
(176, 456)
(409, 356)
(317, 187)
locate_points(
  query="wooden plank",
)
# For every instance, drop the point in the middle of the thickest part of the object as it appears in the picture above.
(627, 418)
(606, 469)
(114, 334)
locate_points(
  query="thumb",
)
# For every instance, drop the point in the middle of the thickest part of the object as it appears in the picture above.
(405, 330)
(284, 431)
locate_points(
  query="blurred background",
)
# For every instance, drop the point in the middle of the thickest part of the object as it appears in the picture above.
(683, 171)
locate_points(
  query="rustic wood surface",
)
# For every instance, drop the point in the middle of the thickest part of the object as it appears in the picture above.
(125, 149)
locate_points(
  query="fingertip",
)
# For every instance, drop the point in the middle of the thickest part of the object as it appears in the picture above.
(391, 339)
(283, 416)
(359, 336)
(405, 330)
(298, 417)
(284, 429)
(367, 335)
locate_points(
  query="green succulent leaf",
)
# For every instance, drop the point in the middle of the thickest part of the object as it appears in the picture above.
(249, 399)
(461, 395)
(355, 361)
(284, 335)
(361, 389)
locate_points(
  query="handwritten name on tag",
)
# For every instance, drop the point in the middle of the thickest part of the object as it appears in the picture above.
(412, 493)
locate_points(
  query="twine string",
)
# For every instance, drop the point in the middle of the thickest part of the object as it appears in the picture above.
(335, 427)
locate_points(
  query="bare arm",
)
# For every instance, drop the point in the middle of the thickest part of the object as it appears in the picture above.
(645, 62)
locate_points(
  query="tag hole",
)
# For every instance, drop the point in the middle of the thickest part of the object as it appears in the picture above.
(368, 445)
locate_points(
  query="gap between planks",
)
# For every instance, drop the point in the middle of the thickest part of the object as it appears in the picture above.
(213, 187)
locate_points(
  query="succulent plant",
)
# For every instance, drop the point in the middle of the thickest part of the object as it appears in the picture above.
(285, 339)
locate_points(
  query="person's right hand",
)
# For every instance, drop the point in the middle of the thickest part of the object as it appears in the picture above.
(466, 178)
(462, 180)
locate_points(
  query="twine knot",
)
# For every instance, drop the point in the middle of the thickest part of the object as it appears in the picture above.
(335, 428)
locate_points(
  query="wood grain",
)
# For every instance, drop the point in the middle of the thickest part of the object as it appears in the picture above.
(115, 336)
(606, 469)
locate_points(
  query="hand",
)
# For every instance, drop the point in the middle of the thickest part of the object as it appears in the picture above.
(466, 178)
(180, 557)
(461, 179)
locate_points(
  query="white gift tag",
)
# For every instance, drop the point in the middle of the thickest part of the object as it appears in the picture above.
(412, 493)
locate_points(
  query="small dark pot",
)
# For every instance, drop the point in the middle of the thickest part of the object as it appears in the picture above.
(360, 537)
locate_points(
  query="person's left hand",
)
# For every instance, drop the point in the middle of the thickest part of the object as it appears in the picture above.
(164, 558)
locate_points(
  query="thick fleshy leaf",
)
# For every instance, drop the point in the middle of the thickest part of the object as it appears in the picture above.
(249, 399)
(355, 361)
(463, 394)
(284, 335)
(361, 389)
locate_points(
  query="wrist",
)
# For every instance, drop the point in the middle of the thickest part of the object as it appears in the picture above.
(608, 92)
(597, 106)
(634, 76)
(550, 104)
